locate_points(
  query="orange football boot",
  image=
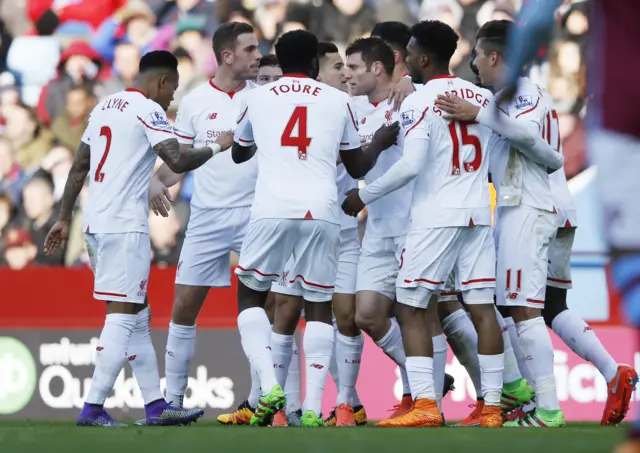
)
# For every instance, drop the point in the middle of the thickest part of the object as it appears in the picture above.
(473, 419)
(491, 417)
(344, 415)
(280, 420)
(619, 394)
(406, 403)
(425, 413)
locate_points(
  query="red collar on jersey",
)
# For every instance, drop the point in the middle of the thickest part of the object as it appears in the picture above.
(230, 93)
(444, 76)
(135, 90)
(376, 104)
(297, 76)
(406, 74)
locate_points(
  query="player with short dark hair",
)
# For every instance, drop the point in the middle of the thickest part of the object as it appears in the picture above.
(269, 70)
(126, 133)
(373, 50)
(226, 37)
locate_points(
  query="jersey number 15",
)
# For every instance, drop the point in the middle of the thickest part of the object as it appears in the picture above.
(300, 141)
(465, 139)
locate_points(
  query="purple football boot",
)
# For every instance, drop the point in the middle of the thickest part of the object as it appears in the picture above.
(95, 415)
(161, 413)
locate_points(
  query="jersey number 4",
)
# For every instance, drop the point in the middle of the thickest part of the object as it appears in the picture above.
(300, 141)
(465, 139)
(105, 131)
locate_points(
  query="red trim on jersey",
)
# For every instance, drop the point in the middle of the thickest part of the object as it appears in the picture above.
(154, 128)
(242, 116)
(257, 272)
(423, 280)
(557, 280)
(567, 224)
(376, 104)
(444, 76)
(229, 93)
(246, 141)
(297, 76)
(317, 285)
(418, 122)
(344, 143)
(353, 118)
(535, 301)
(100, 293)
(478, 280)
(529, 110)
(406, 74)
(186, 137)
(135, 90)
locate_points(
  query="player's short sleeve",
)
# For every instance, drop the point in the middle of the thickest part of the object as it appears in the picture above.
(155, 124)
(414, 119)
(183, 127)
(350, 136)
(87, 133)
(244, 130)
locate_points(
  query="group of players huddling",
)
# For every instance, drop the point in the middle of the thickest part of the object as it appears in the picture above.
(429, 271)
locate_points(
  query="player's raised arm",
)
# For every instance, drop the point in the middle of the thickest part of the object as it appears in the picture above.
(522, 134)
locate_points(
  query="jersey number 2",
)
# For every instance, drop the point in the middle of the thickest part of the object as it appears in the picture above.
(105, 131)
(301, 141)
(465, 139)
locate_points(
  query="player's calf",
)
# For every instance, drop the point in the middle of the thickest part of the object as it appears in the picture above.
(372, 314)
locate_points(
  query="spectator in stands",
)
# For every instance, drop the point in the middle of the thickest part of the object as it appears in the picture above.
(125, 70)
(58, 162)
(40, 213)
(30, 140)
(91, 12)
(78, 63)
(69, 126)
(11, 175)
(169, 12)
(19, 249)
(7, 211)
(190, 77)
(341, 21)
(166, 241)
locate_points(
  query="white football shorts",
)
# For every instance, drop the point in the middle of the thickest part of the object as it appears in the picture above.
(523, 235)
(211, 236)
(448, 293)
(431, 254)
(121, 264)
(559, 271)
(379, 263)
(270, 243)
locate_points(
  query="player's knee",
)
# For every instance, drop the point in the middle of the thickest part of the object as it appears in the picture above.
(252, 292)
(555, 303)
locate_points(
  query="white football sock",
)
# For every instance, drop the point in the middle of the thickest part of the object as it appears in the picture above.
(511, 370)
(181, 346)
(518, 352)
(391, 344)
(318, 344)
(439, 364)
(292, 387)
(255, 336)
(254, 393)
(420, 372)
(463, 339)
(143, 360)
(281, 351)
(583, 341)
(492, 367)
(536, 345)
(111, 355)
(348, 356)
(333, 366)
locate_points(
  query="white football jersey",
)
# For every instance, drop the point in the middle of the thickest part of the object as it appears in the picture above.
(299, 126)
(204, 114)
(451, 188)
(122, 131)
(512, 168)
(563, 200)
(388, 216)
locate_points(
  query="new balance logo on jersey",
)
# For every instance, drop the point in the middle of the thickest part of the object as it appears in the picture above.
(407, 118)
(523, 102)
(159, 120)
(213, 116)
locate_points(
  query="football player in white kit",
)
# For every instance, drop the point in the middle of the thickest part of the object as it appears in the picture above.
(222, 196)
(450, 224)
(349, 341)
(370, 68)
(295, 212)
(126, 132)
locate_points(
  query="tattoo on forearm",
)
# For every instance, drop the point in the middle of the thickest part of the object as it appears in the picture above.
(180, 162)
(75, 180)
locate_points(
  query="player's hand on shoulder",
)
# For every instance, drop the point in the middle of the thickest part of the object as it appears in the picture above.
(57, 237)
(400, 91)
(352, 204)
(159, 198)
(387, 135)
(225, 140)
(457, 108)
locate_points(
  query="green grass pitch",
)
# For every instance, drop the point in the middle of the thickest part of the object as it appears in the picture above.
(209, 437)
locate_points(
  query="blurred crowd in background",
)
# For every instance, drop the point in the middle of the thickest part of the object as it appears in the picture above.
(58, 58)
